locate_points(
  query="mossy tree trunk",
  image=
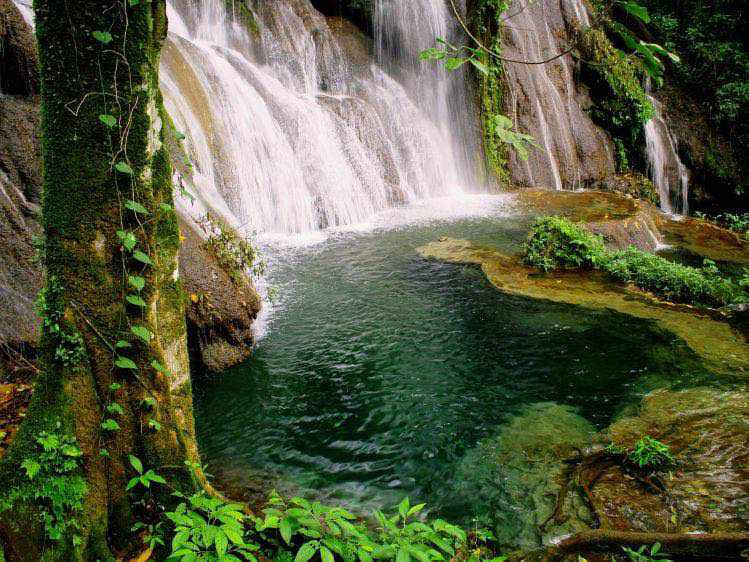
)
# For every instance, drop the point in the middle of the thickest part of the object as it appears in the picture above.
(100, 58)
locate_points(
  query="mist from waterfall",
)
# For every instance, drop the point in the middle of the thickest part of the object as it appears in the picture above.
(293, 127)
(669, 174)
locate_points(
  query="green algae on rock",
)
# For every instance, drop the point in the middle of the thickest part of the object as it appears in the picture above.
(722, 349)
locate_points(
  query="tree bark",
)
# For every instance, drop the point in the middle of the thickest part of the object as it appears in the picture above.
(101, 58)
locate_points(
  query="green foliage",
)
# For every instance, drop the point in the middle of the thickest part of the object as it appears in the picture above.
(143, 479)
(301, 530)
(54, 486)
(672, 281)
(209, 529)
(642, 554)
(235, 254)
(650, 453)
(454, 56)
(738, 222)
(556, 242)
(67, 342)
(500, 127)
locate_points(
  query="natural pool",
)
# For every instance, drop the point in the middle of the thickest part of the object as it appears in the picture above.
(381, 371)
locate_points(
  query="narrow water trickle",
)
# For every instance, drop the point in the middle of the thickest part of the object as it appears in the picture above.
(669, 174)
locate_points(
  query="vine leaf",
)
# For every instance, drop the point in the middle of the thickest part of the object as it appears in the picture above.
(121, 344)
(110, 425)
(124, 167)
(159, 367)
(102, 36)
(128, 239)
(108, 120)
(134, 206)
(136, 282)
(136, 464)
(142, 332)
(125, 363)
(134, 3)
(136, 301)
(115, 408)
(141, 257)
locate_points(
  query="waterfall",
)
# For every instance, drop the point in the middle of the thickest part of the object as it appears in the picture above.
(402, 30)
(669, 174)
(545, 102)
(292, 127)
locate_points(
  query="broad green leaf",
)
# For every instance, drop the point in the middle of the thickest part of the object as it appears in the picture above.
(326, 555)
(108, 120)
(135, 206)
(102, 36)
(115, 386)
(166, 207)
(115, 408)
(121, 344)
(137, 282)
(141, 257)
(636, 10)
(480, 66)
(285, 530)
(306, 551)
(402, 555)
(403, 507)
(179, 135)
(159, 367)
(142, 332)
(31, 467)
(221, 542)
(124, 168)
(110, 425)
(136, 301)
(416, 509)
(128, 239)
(155, 425)
(125, 363)
(454, 63)
(136, 463)
(133, 3)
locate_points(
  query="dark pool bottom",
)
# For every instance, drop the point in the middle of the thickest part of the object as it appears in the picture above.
(382, 371)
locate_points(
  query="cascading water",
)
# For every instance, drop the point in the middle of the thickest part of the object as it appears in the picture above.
(669, 174)
(292, 128)
(544, 101)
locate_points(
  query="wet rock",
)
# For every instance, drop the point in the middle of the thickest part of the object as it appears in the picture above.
(18, 61)
(221, 307)
(707, 490)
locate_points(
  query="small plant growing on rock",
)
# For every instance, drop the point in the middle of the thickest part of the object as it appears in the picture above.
(642, 554)
(650, 453)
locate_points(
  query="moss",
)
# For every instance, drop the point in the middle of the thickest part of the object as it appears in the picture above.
(620, 104)
(486, 24)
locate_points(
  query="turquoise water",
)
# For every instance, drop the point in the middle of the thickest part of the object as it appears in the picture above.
(380, 370)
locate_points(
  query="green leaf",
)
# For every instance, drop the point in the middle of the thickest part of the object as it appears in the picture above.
(136, 463)
(142, 332)
(136, 301)
(155, 425)
(128, 239)
(285, 529)
(143, 258)
(636, 10)
(31, 467)
(115, 408)
(122, 344)
(134, 3)
(137, 282)
(179, 135)
(403, 507)
(102, 36)
(124, 168)
(480, 66)
(135, 206)
(221, 542)
(159, 367)
(115, 386)
(125, 363)
(165, 207)
(306, 551)
(108, 120)
(402, 555)
(326, 555)
(110, 425)
(104, 453)
(453, 63)
(416, 509)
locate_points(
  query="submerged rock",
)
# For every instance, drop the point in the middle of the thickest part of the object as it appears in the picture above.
(518, 474)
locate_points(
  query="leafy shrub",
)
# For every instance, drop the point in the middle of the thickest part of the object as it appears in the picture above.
(209, 529)
(556, 242)
(53, 485)
(235, 254)
(669, 280)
